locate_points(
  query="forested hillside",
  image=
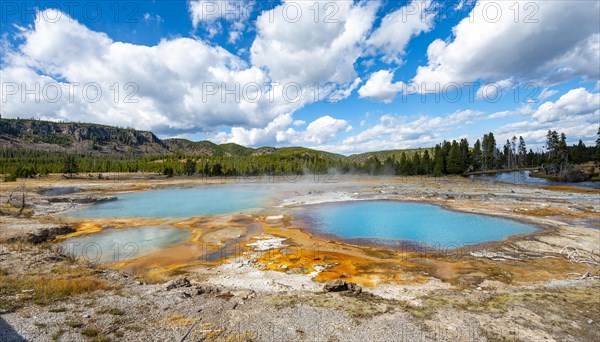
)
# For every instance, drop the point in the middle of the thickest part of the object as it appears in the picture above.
(30, 148)
(98, 140)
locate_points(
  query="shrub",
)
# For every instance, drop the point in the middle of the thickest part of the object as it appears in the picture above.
(10, 178)
(168, 171)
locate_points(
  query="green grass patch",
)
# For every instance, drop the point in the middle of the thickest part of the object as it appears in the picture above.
(111, 311)
(90, 332)
(57, 334)
(74, 324)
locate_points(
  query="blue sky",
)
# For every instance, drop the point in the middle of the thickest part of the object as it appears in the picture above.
(390, 74)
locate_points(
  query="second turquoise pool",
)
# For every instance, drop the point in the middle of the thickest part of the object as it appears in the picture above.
(416, 223)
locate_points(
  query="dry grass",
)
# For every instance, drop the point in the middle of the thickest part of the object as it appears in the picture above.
(63, 283)
(61, 288)
(111, 311)
(178, 320)
(243, 337)
(156, 275)
(90, 332)
(356, 307)
(209, 332)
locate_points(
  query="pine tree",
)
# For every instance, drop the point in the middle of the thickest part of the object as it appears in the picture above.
(507, 154)
(552, 146)
(522, 152)
(465, 154)
(578, 153)
(446, 146)
(403, 164)
(70, 165)
(488, 146)
(454, 165)
(417, 164)
(513, 151)
(563, 150)
(426, 163)
(189, 168)
(477, 157)
(438, 161)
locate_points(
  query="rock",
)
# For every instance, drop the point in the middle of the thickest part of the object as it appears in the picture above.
(297, 270)
(319, 268)
(354, 289)
(106, 199)
(226, 295)
(174, 284)
(246, 294)
(202, 289)
(82, 200)
(339, 285)
(48, 234)
(79, 200)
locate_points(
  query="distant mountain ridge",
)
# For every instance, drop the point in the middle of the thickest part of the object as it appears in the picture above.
(88, 138)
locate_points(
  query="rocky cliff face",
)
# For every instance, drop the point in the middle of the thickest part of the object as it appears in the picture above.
(77, 137)
(101, 139)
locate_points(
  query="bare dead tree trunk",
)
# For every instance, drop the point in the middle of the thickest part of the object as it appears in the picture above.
(22, 201)
(188, 332)
(10, 196)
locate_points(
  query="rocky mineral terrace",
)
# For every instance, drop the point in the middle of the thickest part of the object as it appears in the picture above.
(286, 284)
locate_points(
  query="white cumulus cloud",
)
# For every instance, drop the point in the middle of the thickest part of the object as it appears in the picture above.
(380, 86)
(399, 27)
(175, 86)
(576, 113)
(575, 103)
(495, 42)
(278, 131)
(311, 50)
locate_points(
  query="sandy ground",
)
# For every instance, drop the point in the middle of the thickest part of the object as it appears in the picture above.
(542, 286)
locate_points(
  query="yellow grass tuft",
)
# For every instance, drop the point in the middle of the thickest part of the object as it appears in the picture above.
(178, 320)
(47, 288)
(155, 275)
